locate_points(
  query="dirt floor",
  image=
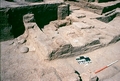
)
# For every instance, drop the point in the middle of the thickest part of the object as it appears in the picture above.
(16, 66)
(30, 66)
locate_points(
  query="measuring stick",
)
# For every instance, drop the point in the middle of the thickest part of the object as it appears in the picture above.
(105, 67)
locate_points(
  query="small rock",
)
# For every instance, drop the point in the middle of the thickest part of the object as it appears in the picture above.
(24, 49)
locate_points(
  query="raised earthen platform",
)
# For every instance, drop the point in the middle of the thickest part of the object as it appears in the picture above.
(56, 40)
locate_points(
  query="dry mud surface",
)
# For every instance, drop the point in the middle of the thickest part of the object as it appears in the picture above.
(22, 61)
(16, 66)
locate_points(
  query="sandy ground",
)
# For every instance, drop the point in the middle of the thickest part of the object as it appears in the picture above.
(16, 66)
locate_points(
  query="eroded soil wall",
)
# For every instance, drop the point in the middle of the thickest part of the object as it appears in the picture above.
(43, 14)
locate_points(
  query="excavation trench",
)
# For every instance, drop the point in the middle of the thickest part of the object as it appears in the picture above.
(13, 17)
(109, 16)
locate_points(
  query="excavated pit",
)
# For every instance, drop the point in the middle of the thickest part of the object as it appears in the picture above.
(12, 18)
(109, 16)
(42, 16)
(44, 32)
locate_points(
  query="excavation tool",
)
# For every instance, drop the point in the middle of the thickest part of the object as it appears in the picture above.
(105, 67)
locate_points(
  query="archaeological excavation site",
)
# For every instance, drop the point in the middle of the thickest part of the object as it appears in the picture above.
(60, 40)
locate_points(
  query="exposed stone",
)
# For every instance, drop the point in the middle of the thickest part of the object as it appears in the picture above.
(24, 49)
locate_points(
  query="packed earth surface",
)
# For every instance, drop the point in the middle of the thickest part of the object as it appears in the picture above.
(40, 44)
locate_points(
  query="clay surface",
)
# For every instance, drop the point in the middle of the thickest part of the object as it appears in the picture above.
(41, 40)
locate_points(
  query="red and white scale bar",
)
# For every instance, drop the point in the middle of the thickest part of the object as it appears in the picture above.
(97, 71)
